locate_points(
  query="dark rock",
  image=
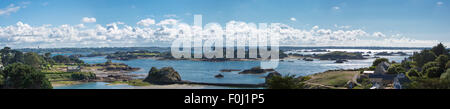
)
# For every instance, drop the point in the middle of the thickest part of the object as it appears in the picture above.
(256, 70)
(340, 55)
(340, 61)
(308, 59)
(229, 70)
(166, 75)
(219, 76)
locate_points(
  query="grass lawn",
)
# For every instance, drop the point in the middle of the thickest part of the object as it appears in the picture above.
(332, 78)
(63, 83)
(137, 82)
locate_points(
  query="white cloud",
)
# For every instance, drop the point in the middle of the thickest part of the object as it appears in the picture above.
(120, 34)
(80, 26)
(315, 27)
(9, 9)
(439, 3)
(378, 34)
(336, 8)
(293, 19)
(168, 22)
(342, 27)
(146, 22)
(89, 20)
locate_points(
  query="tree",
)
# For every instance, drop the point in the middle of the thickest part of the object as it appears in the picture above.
(429, 65)
(396, 69)
(284, 82)
(442, 61)
(423, 57)
(379, 60)
(413, 73)
(65, 60)
(33, 59)
(21, 76)
(10, 56)
(439, 49)
(429, 83)
(48, 55)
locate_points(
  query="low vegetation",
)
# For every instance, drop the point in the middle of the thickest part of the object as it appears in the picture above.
(285, 82)
(137, 82)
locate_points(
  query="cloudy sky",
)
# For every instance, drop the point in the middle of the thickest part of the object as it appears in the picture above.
(106, 23)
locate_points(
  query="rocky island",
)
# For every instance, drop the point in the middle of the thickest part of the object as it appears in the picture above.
(336, 55)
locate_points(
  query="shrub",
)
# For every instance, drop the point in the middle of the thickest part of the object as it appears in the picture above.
(413, 73)
(284, 82)
(446, 76)
(442, 61)
(83, 76)
(431, 65)
(429, 83)
(396, 69)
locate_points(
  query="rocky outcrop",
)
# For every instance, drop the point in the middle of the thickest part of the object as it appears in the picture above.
(219, 76)
(166, 75)
(256, 70)
(340, 55)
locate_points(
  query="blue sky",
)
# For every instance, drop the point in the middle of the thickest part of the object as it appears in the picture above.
(415, 19)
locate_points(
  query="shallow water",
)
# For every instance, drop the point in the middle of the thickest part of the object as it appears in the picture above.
(202, 71)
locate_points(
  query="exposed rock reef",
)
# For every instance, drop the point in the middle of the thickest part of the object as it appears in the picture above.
(166, 75)
(256, 70)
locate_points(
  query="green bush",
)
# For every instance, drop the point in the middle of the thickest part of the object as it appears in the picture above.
(396, 69)
(432, 65)
(284, 82)
(408, 64)
(446, 76)
(413, 73)
(429, 83)
(442, 61)
(83, 76)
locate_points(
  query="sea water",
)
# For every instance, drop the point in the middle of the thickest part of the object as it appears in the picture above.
(204, 71)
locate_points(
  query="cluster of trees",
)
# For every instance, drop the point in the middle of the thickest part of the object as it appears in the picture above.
(23, 70)
(428, 68)
(22, 76)
(66, 60)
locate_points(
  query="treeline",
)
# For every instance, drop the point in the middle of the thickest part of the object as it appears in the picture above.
(23, 70)
(99, 49)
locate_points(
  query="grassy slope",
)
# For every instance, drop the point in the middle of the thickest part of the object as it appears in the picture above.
(332, 78)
